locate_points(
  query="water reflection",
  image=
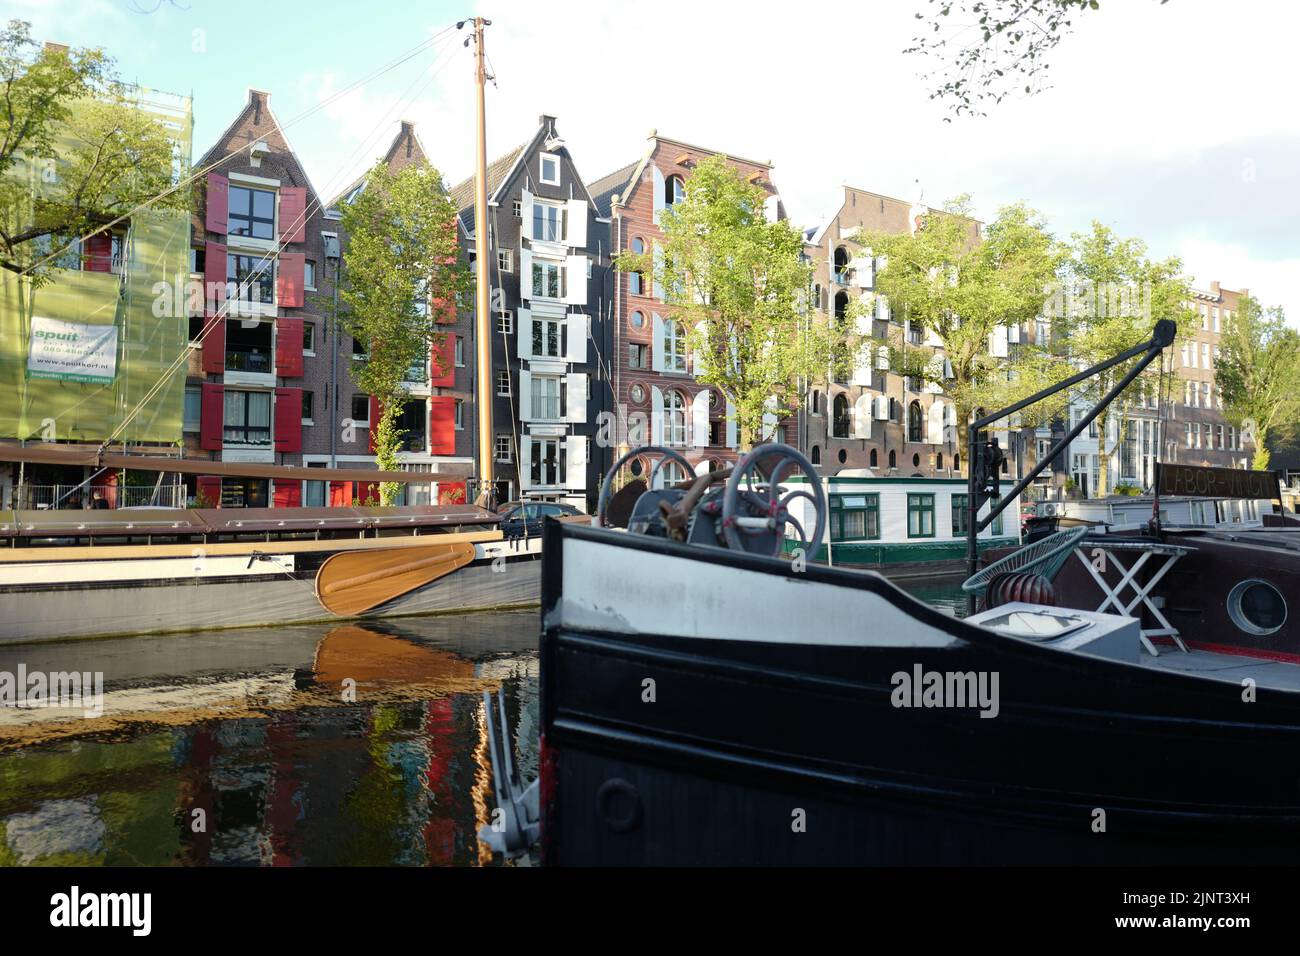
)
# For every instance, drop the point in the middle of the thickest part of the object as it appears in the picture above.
(300, 746)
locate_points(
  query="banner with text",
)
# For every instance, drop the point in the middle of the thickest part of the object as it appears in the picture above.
(72, 351)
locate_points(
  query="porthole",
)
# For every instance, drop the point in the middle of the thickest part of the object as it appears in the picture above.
(1257, 607)
(637, 394)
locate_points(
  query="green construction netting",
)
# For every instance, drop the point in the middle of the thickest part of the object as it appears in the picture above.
(147, 389)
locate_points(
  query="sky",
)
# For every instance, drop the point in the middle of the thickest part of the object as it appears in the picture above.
(1173, 123)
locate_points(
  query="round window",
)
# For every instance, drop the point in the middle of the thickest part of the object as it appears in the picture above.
(638, 320)
(843, 456)
(638, 394)
(713, 398)
(1257, 607)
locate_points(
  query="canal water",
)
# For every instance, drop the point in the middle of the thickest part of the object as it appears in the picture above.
(313, 745)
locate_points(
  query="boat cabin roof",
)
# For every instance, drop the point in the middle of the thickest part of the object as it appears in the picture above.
(127, 522)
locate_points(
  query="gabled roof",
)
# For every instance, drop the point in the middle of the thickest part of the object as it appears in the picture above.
(407, 129)
(603, 189)
(463, 193)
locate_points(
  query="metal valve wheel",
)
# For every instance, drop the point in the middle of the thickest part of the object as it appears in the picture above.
(606, 488)
(756, 506)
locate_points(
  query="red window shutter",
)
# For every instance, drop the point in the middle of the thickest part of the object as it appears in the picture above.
(214, 276)
(288, 279)
(293, 209)
(208, 487)
(451, 492)
(212, 417)
(368, 493)
(214, 344)
(288, 347)
(445, 359)
(218, 204)
(375, 412)
(288, 494)
(288, 419)
(99, 253)
(340, 494)
(442, 425)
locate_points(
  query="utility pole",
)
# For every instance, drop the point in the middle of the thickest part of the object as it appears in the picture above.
(482, 324)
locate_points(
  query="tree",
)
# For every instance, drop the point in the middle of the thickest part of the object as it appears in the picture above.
(994, 48)
(1110, 301)
(736, 284)
(964, 289)
(90, 155)
(1258, 374)
(401, 258)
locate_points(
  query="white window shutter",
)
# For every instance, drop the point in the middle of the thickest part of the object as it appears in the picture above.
(861, 266)
(700, 419)
(702, 467)
(576, 397)
(575, 227)
(525, 462)
(882, 408)
(525, 396)
(772, 208)
(657, 181)
(770, 422)
(700, 329)
(882, 357)
(575, 462)
(732, 440)
(882, 308)
(862, 417)
(656, 342)
(525, 274)
(656, 416)
(575, 349)
(575, 277)
(934, 424)
(998, 342)
(524, 329)
(526, 214)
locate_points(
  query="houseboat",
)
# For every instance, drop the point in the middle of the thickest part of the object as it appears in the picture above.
(900, 527)
(1120, 513)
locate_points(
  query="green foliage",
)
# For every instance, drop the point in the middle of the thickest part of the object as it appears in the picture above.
(1130, 491)
(75, 153)
(401, 268)
(1110, 301)
(738, 284)
(947, 279)
(1258, 375)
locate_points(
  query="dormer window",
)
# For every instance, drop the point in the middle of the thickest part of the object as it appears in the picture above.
(548, 169)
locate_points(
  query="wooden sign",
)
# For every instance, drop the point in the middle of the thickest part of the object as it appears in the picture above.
(1195, 481)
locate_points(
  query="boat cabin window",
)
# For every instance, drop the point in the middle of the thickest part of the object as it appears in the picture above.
(920, 515)
(960, 515)
(855, 517)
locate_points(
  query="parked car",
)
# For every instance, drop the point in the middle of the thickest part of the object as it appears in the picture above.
(524, 518)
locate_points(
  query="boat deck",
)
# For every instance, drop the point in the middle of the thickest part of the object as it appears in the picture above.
(1230, 668)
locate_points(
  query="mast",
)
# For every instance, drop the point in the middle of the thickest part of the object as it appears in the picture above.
(482, 325)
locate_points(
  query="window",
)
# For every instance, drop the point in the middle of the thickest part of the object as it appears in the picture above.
(412, 426)
(251, 212)
(254, 278)
(920, 514)
(674, 190)
(840, 420)
(674, 346)
(1205, 355)
(360, 409)
(996, 526)
(546, 337)
(635, 280)
(505, 260)
(506, 323)
(458, 407)
(548, 169)
(193, 408)
(309, 274)
(517, 209)
(637, 394)
(960, 514)
(547, 461)
(309, 336)
(638, 355)
(674, 418)
(548, 222)
(502, 448)
(503, 383)
(914, 420)
(247, 418)
(855, 517)
(306, 406)
(548, 280)
(547, 398)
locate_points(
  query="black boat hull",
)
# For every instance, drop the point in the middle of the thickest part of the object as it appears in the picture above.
(787, 749)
